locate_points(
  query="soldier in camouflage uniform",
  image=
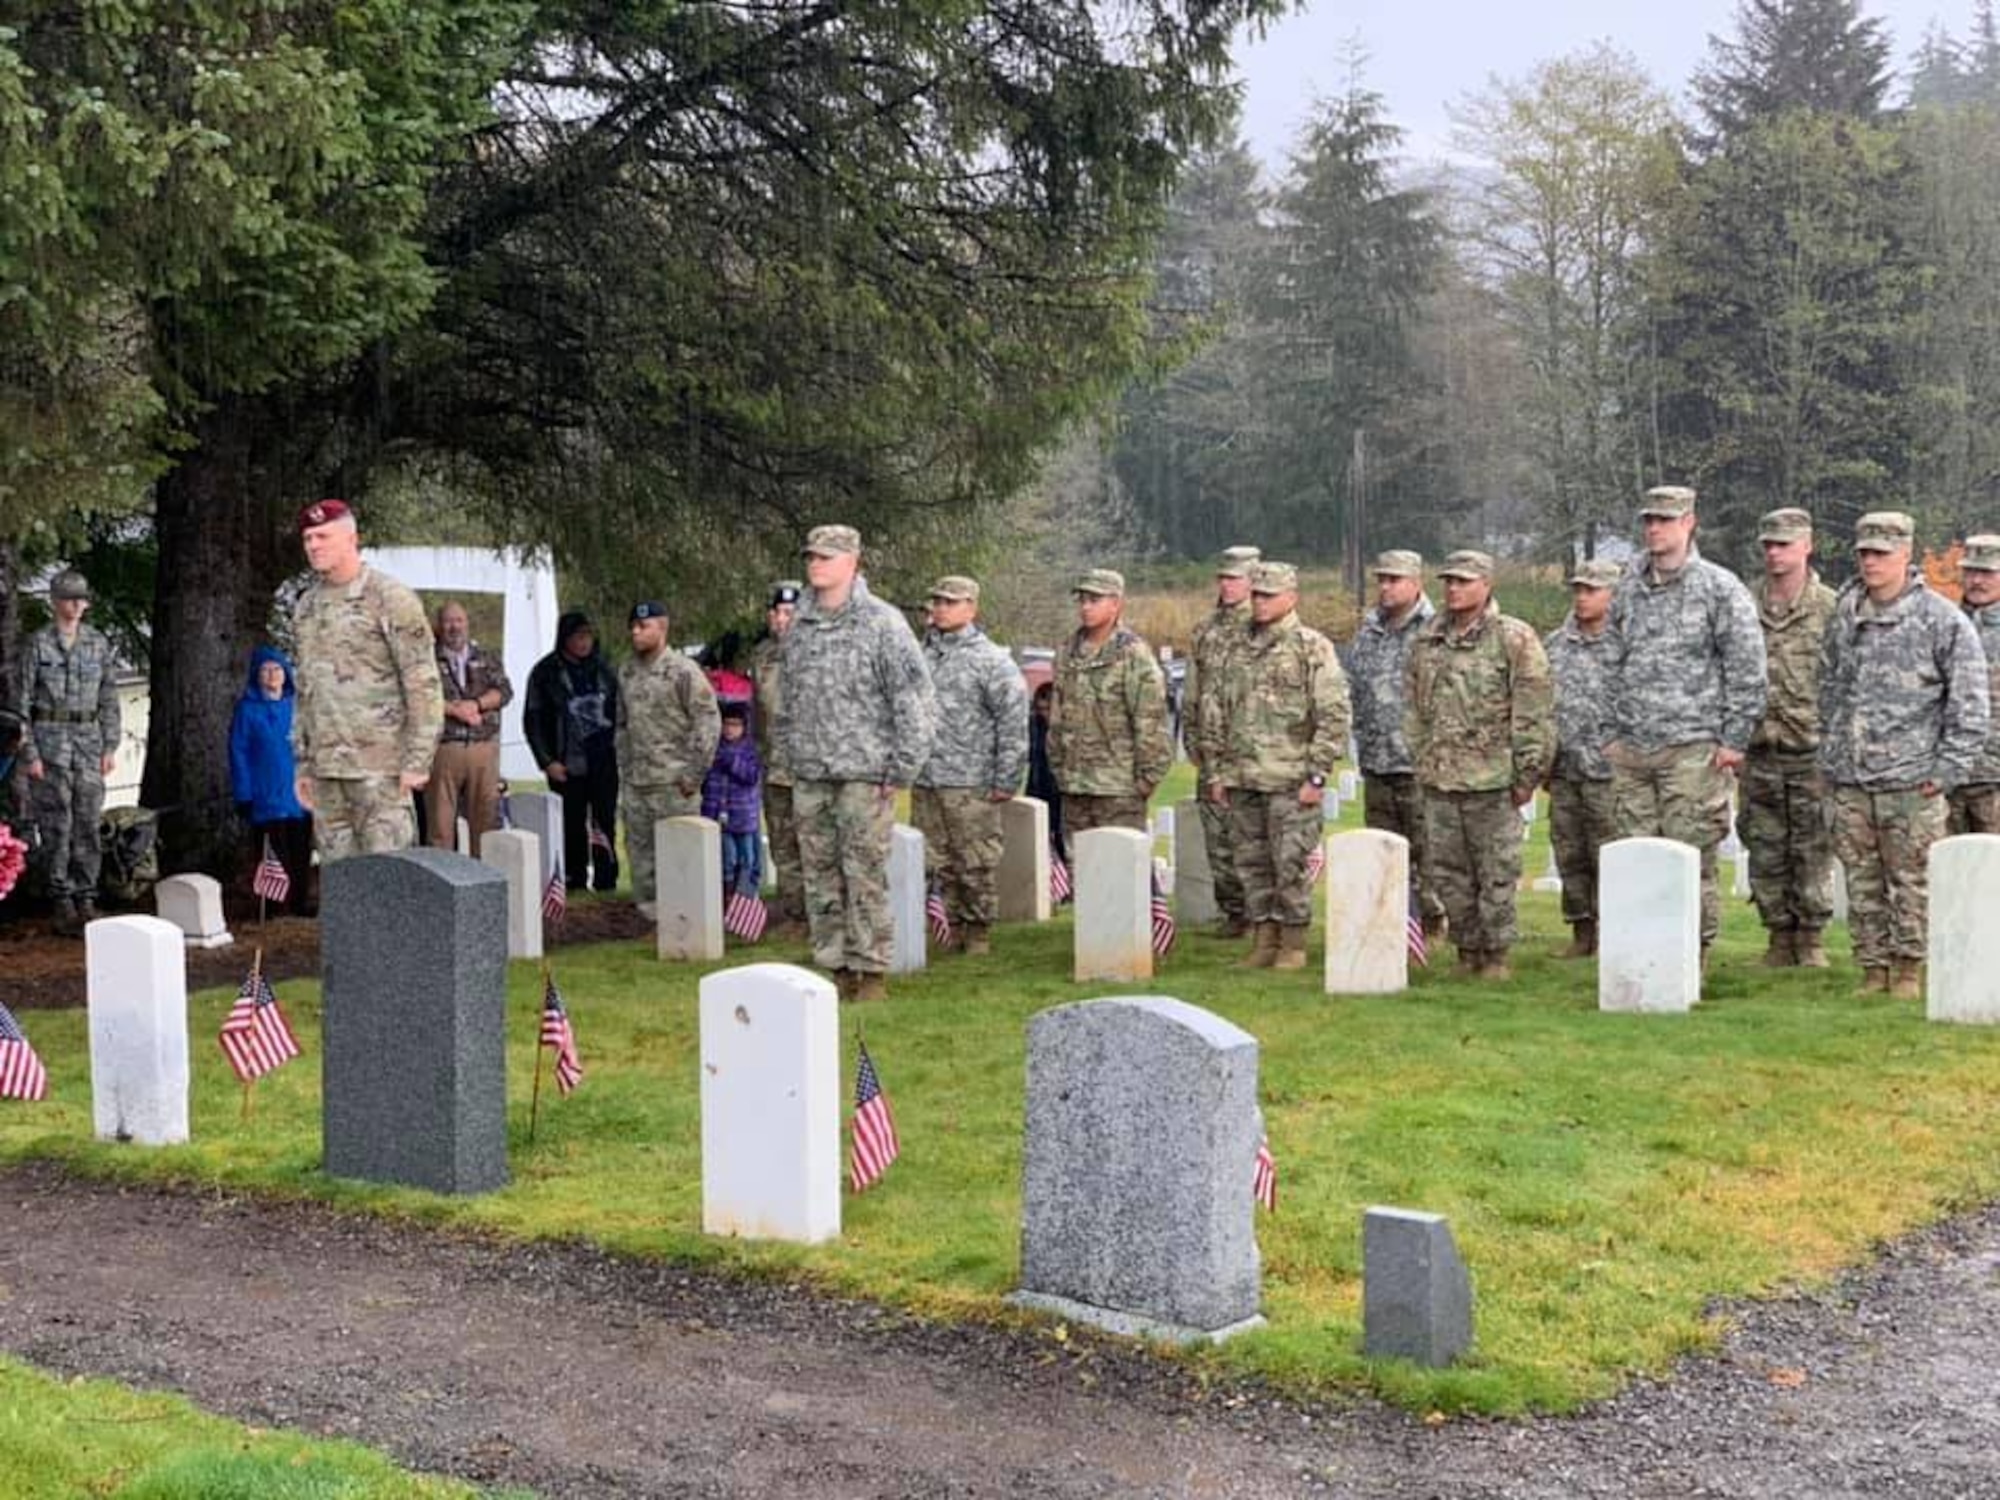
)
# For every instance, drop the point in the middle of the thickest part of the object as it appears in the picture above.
(1975, 806)
(856, 723)
(1903, 716)
(1214, 639)
(976, 764)
(780, 823)
(1479, 714)
(370, 703)
(1579, 782)
(1783, 817)
(1281, 723)
(667, 728)
(1686, 679)
(1381, 662)
(1108, 740)
(69, 712)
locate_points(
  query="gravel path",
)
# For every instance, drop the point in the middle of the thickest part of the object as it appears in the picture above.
(577, 1374)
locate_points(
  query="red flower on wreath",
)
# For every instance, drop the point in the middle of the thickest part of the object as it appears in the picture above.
(13, 860)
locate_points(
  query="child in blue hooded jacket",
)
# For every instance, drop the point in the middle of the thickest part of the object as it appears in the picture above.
(262, 773)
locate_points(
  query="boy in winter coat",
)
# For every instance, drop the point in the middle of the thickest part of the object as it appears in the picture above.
(730, 795)
(262, 773)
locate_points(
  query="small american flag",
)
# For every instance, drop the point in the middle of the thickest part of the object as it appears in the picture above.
(875, 1143)
(254, 1036)
(1316, 864)
(1420, 952)
(599, 839)
(556, 1033)
(938, 917)
(1264, 1178)
(1164, 930)
(1059, 887)
(21, 1073)
(555, 895)
(744, 915)
(271, 882)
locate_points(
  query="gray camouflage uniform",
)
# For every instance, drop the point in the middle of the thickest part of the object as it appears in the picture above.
(668, 725)
(1580, 803)
(981, 749)
(1391, 799)
(1975, 806)
(69, 710)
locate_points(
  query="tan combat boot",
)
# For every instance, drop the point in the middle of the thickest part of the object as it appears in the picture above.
(975, 939)
(1493, 965)
(843, 983)
(1906, 980)
(870, 987)
(1291, 952)
(1470, 961)
(1875, 981)
(1810, 949)
(1265, 953)
(1781, 949)
(1582, 941)
(1230, 927)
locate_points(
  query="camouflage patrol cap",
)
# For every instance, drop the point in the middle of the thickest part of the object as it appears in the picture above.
(958, 589)
(1236, 562)
(1399, 563)
(786, 591)
(1884, 531)
(1982, 554)
(1598, 573)
(1788, 525)
(69, 584)
(320, 512)
(832, 541)
(1274, 578)
(1467, 564)
(1667, 500)
(1103, 582)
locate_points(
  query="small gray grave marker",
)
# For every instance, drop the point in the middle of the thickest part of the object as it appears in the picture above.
(1416, 1294)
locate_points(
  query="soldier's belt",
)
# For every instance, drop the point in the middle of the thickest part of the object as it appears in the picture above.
(64, 716)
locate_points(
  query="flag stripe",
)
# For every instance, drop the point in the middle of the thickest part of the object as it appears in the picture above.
(255, 1036)
(875, 1142)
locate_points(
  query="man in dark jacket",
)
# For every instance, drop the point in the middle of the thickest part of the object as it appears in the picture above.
(569, 717)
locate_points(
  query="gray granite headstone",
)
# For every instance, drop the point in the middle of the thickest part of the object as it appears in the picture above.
(413, 949)
(1141, 1144)
(1415, 1293)
(541, 813)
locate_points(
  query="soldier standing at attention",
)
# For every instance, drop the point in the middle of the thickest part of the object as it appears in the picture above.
(1784, 802)
(69, 712)
(667, 728)
(1580, 821)
(856, 723)
(1687, 689)
(976, 762)
(1281, 724)
(370, 704)
(1381, 660)
(780, 823)
(1480, 721)
(1903, 716)
(1975, 807)
(1108, 742)
(1214, 638)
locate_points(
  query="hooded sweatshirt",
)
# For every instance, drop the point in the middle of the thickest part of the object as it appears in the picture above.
(571, 707)
(262, 773)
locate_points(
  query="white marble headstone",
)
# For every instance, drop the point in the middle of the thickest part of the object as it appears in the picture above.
(540, 813)
(1114, 904)
(1649, 926)
(137, 990)
(910, 950)
(1367, 913)
(193, 903)
(1022, 880)
(687, 855)
(1551, 878)
(1963, 981)
(517, 855)
(1348, 785)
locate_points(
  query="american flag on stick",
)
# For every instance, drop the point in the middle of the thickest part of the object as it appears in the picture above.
(1316, 863)
(1059, 887)
(255, 1037)
(271, 882)
(744, 915)
(875, 1143)
(21, 1073)
(555, 895)
(1164, 929)
(557, 1035)
(1264, 1177)
(1413, 922)
(599, 839)
(938, 917)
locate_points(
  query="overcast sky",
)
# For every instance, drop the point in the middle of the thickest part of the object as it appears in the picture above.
(1426, 54)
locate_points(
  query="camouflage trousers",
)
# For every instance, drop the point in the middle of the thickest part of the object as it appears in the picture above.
(844, 851)
(781, 823)
(962, 843)
(1975, 809)
(1395, 804)
(361, 815)
(1580, 824)
(1272, 835)
(1473, 841)
(1081, 814)
(1784, 826)
(1884, 839)
(1218, 836)
(68, 805)
(645, 806)
(1676, 793)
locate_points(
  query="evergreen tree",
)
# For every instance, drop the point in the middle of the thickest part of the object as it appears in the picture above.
(1818, 55)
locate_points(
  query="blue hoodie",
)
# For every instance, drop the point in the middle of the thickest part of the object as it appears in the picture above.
(261, 769)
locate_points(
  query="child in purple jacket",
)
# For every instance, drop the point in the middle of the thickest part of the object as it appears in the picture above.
(729, 795)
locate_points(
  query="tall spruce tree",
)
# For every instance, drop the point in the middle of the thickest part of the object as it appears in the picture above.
(1817, 55)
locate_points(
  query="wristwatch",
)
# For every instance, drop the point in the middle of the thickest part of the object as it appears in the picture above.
(1316, 779)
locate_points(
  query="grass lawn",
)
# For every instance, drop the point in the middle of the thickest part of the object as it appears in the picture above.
(1607, 1176)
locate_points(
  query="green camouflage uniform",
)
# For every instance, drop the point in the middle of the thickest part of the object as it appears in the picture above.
(1975, 806)
(1686, 677)
(370, 705)
(69, 709)
(1902, 701)
(1391, 800)
(981, 749)
(667, 728)
(858, 714)
(780, 821)
(1580, 803)
(1784, 823)
(1109, 744)
(1215, 640)
(1282, 719)
(1479, 716)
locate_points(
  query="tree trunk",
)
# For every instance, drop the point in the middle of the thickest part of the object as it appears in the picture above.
(10, 621)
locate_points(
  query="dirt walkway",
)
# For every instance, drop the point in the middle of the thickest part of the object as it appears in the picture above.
(576, 1374)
